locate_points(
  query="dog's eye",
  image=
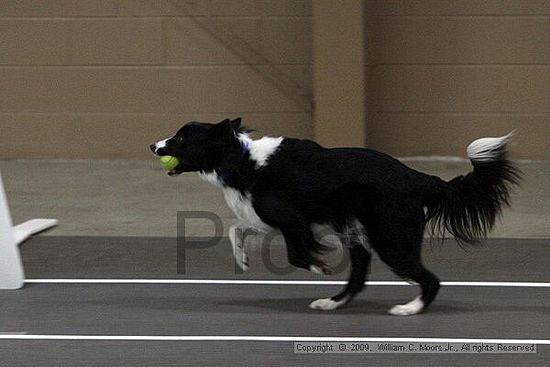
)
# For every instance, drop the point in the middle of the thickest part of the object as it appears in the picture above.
(179, 139)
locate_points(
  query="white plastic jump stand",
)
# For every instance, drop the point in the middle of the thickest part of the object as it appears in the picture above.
(12, 275)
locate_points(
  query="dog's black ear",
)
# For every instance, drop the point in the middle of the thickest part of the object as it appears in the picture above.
(236, 123)
(223, 128)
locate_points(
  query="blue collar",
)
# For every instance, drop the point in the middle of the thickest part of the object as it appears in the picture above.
(244, 148)
(224, 175)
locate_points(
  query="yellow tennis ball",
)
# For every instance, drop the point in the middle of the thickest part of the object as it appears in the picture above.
(168, 162)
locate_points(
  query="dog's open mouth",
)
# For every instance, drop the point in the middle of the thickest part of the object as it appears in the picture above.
(175, 171)
(167, 161)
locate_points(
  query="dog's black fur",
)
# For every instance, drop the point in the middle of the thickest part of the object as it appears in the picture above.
(304, 183)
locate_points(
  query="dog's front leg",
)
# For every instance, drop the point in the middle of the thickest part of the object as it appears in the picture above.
(237, 237)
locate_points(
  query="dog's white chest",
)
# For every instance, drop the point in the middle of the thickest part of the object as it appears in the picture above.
(241, 205)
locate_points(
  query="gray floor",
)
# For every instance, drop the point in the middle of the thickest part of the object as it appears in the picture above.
(118, 220)
(76, 354)
(136, 198)
(278, 310)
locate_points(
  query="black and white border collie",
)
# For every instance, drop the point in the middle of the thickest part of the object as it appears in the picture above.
(371, 199)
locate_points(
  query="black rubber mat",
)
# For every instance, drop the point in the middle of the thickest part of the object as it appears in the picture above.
(154, 257)
(273, 310)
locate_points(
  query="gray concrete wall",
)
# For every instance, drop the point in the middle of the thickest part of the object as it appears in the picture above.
(339, 72)
(103, 78)
(441, 73)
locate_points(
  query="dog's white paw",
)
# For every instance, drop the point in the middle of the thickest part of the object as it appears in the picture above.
(326, 304)
(237, 243)
(243, 264)
(412, 308)
(241, 258)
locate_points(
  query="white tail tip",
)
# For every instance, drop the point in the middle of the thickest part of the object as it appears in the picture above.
(487, 149)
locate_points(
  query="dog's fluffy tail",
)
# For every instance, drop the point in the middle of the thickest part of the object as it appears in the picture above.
(467, 206)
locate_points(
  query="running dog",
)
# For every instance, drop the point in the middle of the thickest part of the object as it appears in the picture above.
(371, 199)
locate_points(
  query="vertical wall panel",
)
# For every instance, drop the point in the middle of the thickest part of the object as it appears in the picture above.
(452, 71)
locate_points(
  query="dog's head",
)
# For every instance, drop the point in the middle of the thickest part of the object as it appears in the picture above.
(201, 146)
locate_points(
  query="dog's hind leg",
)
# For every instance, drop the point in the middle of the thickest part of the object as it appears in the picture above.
(360, 260)
(427, 281)
(411, 269)
(397, 238)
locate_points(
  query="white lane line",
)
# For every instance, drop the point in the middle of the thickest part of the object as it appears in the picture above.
(266, 338)
(277, 282)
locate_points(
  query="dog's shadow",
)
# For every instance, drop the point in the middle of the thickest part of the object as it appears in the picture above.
(356, 307)
(299, 305)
